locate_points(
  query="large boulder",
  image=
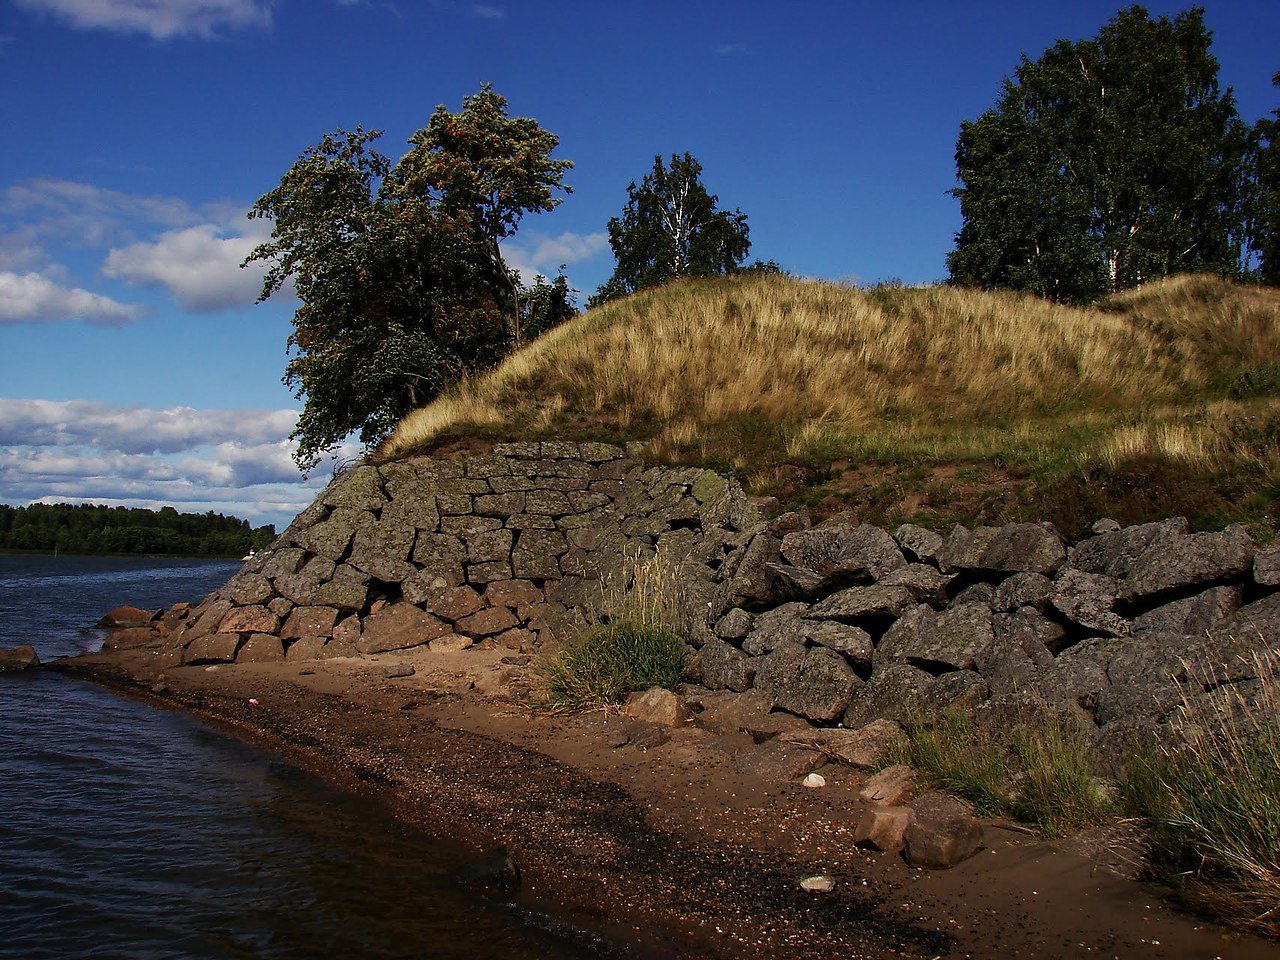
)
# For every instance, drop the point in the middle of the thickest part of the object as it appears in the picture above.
(1013, 548)
(1116, 553)
(817, 684)
(398, 627)
(953, 639)
(1181, 562)
(876, 603)
(1088, 600)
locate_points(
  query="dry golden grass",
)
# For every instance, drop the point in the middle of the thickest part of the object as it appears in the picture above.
(756, 371)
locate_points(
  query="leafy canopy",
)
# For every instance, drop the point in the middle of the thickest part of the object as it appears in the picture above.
(670, 228)
(402, 285)
(1266, 226)
(1105, 163)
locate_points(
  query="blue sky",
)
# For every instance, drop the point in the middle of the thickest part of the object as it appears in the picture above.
(135, 367)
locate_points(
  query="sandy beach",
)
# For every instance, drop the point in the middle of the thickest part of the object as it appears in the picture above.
(670, 842)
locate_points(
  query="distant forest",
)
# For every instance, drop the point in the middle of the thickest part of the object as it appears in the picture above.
(88, 528)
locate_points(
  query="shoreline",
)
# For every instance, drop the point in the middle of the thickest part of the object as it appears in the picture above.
(682, 843)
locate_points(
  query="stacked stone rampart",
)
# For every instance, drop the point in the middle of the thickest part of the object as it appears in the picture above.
(840, 624)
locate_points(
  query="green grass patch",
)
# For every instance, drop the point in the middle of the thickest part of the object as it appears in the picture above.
(1043, 775)
(1212, 806)
(611, 660)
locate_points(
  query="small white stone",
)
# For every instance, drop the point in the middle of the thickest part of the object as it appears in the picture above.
(818, 884)
(815, 780)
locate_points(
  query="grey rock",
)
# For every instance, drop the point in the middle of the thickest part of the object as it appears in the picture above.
(983, 593)
(864, 552)
(954, 639)
(923, 545)
(1193, 615)
(284, 562)
(719, 666)
(1115, 554)
(382, 551)
(960, 691)
(752, 583)
(894, 692)
(769, 628)
(1088, 600)
(1104, 525)
(876, 602)
(925, 582)
(1266, 565)
(348, 590)
(734, 625)
(331, 538)
(1078, 676)
(1018, 654)
(1013, 548)
(853, 643)
(1187, 561)
(1022, 590)
(247, 589)
(817, 684)
(359, 488)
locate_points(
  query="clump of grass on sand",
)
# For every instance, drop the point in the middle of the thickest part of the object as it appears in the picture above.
(637, 642)
(1212, 805)
(1044, 775)
(1165, 399)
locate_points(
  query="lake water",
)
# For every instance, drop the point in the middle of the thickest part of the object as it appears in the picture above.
(128, 831)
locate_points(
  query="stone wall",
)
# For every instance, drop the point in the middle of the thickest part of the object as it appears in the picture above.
(840, 624)
(515, 547)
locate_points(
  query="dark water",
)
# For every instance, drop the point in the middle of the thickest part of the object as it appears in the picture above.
(132, 832)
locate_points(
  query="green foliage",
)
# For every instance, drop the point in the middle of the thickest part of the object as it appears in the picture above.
(670, 228)
(91, 529)
(1106, 163)
(1044, 775)
(403, 288)
(1266, 221)
(611, 660)
(547, 304)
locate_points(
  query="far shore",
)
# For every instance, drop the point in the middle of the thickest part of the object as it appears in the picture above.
(689, 842)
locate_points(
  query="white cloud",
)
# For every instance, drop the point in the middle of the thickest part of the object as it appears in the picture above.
(61, 423)
(159, 19)
(236, 461)
(488, 11)
(544, 255)
(34, 298)
(200, 266)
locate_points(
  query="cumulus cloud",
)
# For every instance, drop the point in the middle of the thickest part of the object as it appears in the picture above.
(237, 461)
(159, 19)
(200, 266)
(61, 423)
(34, 298)
(535, 254)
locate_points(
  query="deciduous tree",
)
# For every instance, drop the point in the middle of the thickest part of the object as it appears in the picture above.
(402, 285)
(1266, 227)
(671, 228)
(1105, 163)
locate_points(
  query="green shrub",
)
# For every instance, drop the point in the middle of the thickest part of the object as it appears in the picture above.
(611, 660)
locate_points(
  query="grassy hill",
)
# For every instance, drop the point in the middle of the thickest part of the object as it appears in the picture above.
(933, 405)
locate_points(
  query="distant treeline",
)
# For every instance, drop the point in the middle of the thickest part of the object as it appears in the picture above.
(89, 528)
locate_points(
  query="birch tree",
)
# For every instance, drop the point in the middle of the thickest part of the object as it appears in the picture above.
(671, 228)
(1105, 163)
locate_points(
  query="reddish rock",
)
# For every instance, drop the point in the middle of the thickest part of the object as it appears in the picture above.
(453, 603)
(309, 622)
(19, 658)
(516, 639)
(125, 617)
(347, 632)
(777, 762)
(451, 643)
(657, 705)
(512, 593)
(865, 748)
(398, 627)
(261, 648)
(249, 620)
(305, 648)
(486, 623)
(890, 787)
(339, 647)
(943, 832)
(131, 638)
(212, 648)
(883, 828)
